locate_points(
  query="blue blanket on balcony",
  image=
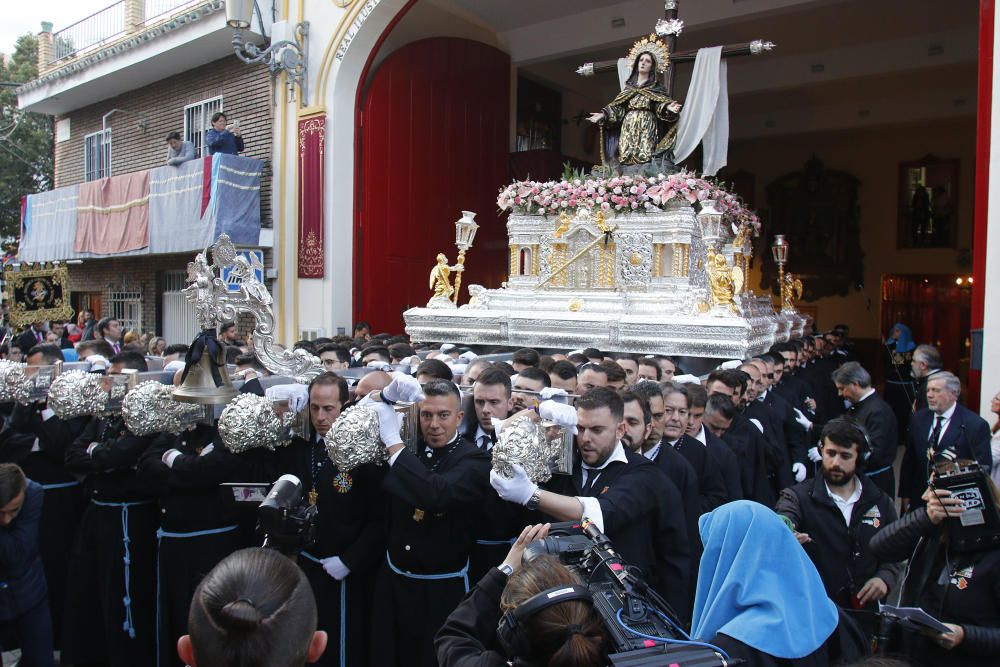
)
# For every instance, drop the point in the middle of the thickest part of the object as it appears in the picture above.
(235, 201)
(179, 220)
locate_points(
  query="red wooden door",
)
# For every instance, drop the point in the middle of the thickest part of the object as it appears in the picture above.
(434, 141)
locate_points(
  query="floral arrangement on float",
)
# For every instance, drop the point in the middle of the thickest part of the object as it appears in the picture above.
(624, 194)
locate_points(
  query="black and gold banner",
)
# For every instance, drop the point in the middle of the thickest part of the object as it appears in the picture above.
(37, 293)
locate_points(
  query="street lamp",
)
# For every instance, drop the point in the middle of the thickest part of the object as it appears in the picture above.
(285, 55)
(465, 233)
(779, 251)
(710, 220)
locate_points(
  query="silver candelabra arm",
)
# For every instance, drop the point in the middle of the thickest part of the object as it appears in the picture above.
(214, 304)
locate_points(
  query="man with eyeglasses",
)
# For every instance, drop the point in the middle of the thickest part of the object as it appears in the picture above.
(334, 357)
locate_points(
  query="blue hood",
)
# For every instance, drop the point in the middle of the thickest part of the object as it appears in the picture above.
(905, 342)
(757, 585)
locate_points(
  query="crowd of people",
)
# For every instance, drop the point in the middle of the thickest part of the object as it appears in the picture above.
(759, 501)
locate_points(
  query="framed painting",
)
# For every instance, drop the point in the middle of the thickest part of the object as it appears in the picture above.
(928, 203)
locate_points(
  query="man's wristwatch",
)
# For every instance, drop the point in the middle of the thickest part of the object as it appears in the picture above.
(506, 569)
(534, 500)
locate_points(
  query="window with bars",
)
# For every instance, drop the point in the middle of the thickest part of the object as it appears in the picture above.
(126, 307)
(97, 155)
(198, 120)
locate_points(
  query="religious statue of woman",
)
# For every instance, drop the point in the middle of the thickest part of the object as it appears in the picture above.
(639, 126)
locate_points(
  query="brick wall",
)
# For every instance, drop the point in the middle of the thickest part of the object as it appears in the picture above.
(146, 115)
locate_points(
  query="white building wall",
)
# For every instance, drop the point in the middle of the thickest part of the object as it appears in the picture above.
(991, 314)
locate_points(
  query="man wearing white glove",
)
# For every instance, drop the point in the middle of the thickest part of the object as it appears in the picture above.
(434, 496)
(835, 516)
(498, 522)
(342, 562)
(625, 495)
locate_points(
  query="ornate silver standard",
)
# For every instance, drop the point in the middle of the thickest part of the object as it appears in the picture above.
(150, 408)
(249, 422)
(76, 393)
(214, 304)
(523, 442)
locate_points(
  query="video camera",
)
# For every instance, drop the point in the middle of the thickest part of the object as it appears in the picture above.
(643, 628)
(285, 518)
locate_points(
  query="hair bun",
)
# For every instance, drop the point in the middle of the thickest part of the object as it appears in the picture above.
(240, 615)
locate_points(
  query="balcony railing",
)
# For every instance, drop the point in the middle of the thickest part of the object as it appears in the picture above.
(111, 23)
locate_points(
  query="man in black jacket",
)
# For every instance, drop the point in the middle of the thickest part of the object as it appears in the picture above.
(835, 516)
(877, 418)
(945, 425)
(623, 493)
(45, 464)
(925, 364)
(349, 544)
(24, 606)
(433, 497)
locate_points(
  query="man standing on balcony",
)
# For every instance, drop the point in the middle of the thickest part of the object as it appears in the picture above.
(220, 139)
(179, 151)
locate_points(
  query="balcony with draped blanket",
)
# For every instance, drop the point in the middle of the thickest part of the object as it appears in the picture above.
(158, 211)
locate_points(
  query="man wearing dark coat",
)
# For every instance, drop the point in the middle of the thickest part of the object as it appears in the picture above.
(433, 495)
(877, 419)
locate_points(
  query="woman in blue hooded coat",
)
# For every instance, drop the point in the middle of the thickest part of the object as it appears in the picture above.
(760, 598)
(900, 389)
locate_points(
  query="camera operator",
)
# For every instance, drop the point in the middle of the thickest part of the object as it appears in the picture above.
(254, 609)
(623, 493)
(433, 496)
(554, 633)
(760, 598)
(349, 543)
(835, 517)
(962, 590)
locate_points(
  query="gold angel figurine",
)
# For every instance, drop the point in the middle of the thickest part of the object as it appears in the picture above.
(724, 282)
(792, 291)
(440, 279)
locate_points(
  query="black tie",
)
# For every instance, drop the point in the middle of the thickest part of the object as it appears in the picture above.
(591, 475)
(484, 442)
(936, 433)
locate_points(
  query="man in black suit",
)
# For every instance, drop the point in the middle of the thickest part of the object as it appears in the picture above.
(623, 493)
(854, 383)
(926, 363)
(32, 336)
(433, 497)
(24, 606)
(944, 425)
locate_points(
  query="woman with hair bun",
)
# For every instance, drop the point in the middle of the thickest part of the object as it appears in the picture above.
(563, 634)
(254, 609)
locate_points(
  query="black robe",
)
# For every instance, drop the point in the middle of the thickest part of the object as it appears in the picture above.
(348, 525)
(197, 529)
(430, 527)
(114, 556)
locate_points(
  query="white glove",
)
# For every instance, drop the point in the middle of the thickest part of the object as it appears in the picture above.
(207, 449)
(389, 423)
(814, 455)
(756, 422)
(335, 567)
(802, 420)
(296, 394)
(98, 362)
(403, 388)
(560, 413)
(549, 392)
(799, 470)
(518, 490)
(170, 456)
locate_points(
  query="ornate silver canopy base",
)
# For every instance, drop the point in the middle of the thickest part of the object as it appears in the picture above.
(631, 283)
